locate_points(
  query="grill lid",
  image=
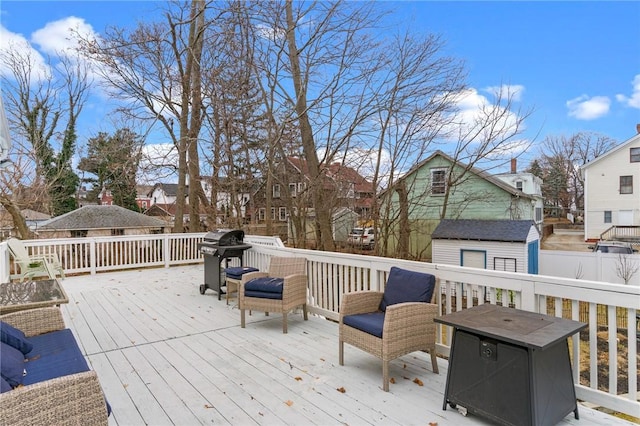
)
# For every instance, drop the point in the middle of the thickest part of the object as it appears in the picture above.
(225, 237)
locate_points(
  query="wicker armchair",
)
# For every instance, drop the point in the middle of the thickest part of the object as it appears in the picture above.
(288, 273)
(68, 400)
(394, 323)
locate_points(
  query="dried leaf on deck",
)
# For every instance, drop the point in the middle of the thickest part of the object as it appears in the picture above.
(289, 402)
(392, 381)
(418, 382)
(341, 390)
(208, 406)
(298, 378)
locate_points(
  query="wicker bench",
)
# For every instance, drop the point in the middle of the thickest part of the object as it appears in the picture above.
(58, 386)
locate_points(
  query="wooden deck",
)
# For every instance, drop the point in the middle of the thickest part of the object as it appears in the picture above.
(165, 354)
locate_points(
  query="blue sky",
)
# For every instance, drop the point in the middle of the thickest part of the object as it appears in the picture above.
(577, 64)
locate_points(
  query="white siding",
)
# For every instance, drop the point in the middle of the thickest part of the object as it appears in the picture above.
(448, 251)
(602, 184)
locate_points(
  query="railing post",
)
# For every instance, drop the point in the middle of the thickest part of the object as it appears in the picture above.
(528, 298)
(93, 258)
(4, 263)
(166, 251)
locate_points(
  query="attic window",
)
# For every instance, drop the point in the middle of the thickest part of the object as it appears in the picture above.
(79, 233)
(519, 185)
(635, 155)
(438, 181)
(115, 232)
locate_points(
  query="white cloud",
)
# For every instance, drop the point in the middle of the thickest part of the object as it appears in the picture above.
(61, 36)
(511, 92)
(586, 108)
(159, 163)
(475, 111)
(634, 100)
(17, 43)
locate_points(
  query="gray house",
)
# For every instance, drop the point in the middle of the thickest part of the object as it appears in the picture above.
(502, 245)
(95, 221)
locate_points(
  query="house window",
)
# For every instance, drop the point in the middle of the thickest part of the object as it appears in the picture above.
(635, 155)
(607, 216)
(519, 185)
(262, 214)
(538, 214)
(144, 204)
(292, 189)
(438, 181)
(273, 213)
(79, 234)
(626, 184)
(282, 213)
(115, 232)
(276, 190)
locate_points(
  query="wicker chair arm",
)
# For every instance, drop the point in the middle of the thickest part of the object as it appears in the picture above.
(36, 321)
(406, 318)
(294, 284)
(251, 275)
(68, 400)
(360, 302)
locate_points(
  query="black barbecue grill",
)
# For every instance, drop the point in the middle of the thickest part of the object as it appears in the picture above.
(217, 246)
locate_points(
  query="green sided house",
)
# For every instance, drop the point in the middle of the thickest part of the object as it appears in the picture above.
(439, 188)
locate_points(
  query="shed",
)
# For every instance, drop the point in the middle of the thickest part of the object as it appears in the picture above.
(93, 221)
(502, 245)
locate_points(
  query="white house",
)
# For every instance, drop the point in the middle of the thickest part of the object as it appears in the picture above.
(611, 189)
(529, 184)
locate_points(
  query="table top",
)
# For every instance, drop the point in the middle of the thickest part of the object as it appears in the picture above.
(17, 296)
(511, 325)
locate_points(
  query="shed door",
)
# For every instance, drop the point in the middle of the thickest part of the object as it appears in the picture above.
(532, 252)
(473, 259)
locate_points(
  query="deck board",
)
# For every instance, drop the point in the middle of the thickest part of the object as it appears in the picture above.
(166, 354)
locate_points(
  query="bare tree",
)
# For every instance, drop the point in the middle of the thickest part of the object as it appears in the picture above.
(43, 106)
(156, 69)
(626, 267)
(561, 158)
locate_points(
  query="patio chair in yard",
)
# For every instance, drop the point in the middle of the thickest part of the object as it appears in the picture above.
(281, 289)
(34, 265)
(394, 323)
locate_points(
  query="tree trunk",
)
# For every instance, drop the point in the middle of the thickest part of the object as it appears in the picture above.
(324, 235)
(18, 220)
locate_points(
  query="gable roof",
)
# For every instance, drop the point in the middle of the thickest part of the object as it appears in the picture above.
(336, 171)
(630, 141)
(101, 217)
(483, 230)
(476, 171)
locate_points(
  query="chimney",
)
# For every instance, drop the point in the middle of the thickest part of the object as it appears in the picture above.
(638, 128)
(514, 163)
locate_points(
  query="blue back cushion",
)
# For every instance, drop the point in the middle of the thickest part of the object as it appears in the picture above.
(14, 337)
(4, 385)
(11, 365)
(407, 286)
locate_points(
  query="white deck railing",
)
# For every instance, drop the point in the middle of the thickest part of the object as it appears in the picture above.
(333, 274)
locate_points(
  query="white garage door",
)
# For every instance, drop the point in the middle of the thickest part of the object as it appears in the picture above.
(474, 259)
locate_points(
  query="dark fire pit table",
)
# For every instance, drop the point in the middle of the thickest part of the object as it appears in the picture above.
(510, 366)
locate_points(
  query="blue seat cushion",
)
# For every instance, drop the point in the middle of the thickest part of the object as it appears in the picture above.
(11, 365)
(236, 272)
(265, 284)
(371, 323)
(263, 295)
(407, 286)
(54, 354)
(14, 337)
